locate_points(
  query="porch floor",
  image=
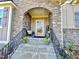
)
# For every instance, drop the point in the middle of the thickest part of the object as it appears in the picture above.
(34, 51)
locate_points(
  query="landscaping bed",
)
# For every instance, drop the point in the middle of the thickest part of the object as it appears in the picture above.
(71, 49)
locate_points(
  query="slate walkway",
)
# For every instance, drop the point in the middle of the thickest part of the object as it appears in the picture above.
(26, 51)
(2, 45)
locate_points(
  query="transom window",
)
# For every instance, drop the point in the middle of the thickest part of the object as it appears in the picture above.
(77, 19)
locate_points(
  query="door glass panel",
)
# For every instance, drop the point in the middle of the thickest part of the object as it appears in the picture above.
(40, 28)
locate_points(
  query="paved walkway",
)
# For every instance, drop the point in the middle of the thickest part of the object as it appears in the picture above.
(26, 51)
(36, 41)
(2, 45)
(35, 49)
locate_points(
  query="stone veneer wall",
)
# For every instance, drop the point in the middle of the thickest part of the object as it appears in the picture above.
(71, 34)
(25, 5)
(26, 22)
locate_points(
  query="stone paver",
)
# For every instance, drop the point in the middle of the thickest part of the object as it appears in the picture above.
(42, 56)
(26, 51)
(35, 41)
(34, 50)
(36, 56)
(2, 45)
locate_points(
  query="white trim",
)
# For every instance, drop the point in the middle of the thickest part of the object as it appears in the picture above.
(61, 27)
(9, 25)
(72, 28)
(8, 2)
(73, 15)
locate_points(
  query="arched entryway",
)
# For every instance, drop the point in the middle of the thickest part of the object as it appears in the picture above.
(38, 21)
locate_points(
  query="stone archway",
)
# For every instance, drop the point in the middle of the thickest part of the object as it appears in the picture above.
(35, 18)
(25, 5)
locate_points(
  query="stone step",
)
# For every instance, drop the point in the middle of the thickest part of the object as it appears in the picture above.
(26, 51)
(36, 48)
(36, 41)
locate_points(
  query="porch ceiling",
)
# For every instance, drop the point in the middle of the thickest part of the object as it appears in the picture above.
(38, 12)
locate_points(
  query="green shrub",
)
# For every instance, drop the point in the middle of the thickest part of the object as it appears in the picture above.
(46, 39)
(71, 44)
(25, 40)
